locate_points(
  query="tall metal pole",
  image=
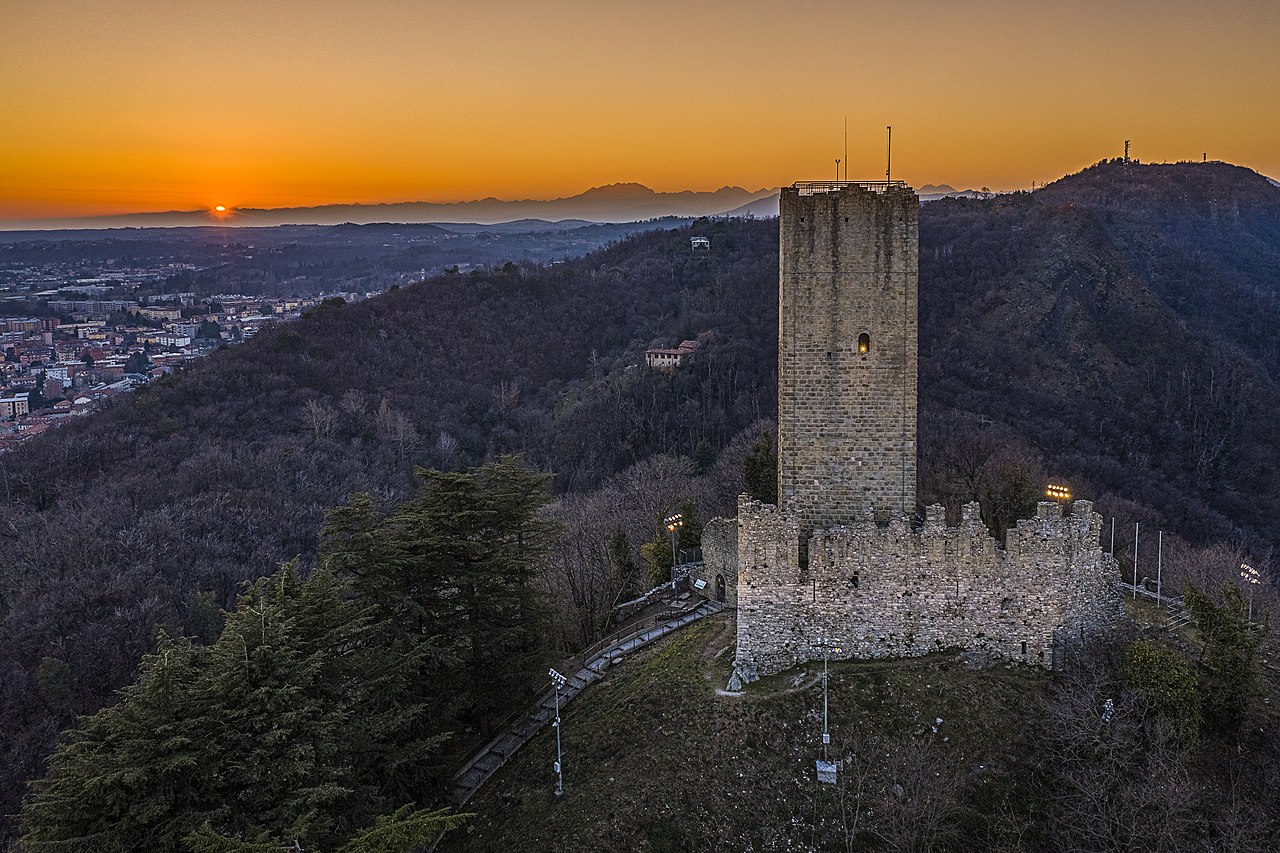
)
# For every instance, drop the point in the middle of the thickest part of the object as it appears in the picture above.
(846, 148)
(1159, 563)
(826, 735)
(1135, 561)
(673, 521)
(559, 765)
(1113, 537)
(888, 168)
(558, 680)
(1250, 576)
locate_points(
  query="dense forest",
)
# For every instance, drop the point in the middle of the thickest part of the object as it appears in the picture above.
(1109, 330)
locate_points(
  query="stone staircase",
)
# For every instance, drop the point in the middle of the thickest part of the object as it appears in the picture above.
(498, 751)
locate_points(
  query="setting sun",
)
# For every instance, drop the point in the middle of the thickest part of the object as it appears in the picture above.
(220, 209)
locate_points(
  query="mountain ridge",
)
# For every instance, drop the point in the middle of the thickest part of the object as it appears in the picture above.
(617, 202)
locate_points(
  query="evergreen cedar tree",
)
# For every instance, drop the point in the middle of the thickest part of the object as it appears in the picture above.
(761, 470)
(1230, 657)
(319, 713)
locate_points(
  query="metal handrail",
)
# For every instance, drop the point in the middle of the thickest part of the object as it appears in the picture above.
(814, 187)
(471, 759)
(572, 663)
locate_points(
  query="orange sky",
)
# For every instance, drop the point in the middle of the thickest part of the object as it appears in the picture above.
(143, 105)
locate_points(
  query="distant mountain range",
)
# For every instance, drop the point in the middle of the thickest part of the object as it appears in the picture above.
(625, 202)
(628, 202)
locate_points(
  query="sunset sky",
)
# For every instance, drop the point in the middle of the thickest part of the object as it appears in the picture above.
(144, 105)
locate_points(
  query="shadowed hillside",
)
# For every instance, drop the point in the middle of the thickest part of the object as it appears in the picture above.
(1118, 320)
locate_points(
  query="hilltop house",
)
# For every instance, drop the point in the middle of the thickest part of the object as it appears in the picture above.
(670, 359)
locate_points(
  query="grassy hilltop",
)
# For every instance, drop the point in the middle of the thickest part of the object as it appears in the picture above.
(656, 759)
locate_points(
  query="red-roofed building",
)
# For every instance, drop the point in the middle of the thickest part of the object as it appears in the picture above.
(670, 359)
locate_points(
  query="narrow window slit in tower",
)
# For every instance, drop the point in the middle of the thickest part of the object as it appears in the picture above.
(864, 343)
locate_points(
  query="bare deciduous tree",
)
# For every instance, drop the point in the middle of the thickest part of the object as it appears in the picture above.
(319, 418)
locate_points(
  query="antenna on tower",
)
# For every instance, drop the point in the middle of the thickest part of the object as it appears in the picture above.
(1126, 151)
(888, 168)
(846, 149)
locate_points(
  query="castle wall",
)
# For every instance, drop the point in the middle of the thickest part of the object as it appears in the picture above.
(847, 419)
(719, 560)
(894, 591)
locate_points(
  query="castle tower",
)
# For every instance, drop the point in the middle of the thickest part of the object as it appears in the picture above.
(847, 340)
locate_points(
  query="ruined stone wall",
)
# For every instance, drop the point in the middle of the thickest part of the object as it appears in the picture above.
(895, 591)
(719, 560)
(847, 419)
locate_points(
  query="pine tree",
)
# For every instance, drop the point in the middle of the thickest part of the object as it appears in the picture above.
(453, 574)
(1230, 659)
(760, 469)
(482, 534)
(283, 679)
(126, 779)
(280, 733)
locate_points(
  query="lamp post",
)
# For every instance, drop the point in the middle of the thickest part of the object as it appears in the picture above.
(826, 770)
(1135, 561)
(1250, 576)
(558, 680)
(826, 732)
(674, 522)
(1159, 568)
(1057, 492)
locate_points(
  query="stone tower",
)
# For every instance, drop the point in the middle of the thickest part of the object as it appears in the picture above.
(818, 568)
(847, 338)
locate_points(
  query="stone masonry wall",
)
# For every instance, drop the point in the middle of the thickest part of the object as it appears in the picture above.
(895, 591)
(847, 419)
(719, 559)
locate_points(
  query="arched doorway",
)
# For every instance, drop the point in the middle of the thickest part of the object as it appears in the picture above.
(719, 587)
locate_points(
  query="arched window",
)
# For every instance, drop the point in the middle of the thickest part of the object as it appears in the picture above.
(864, 343)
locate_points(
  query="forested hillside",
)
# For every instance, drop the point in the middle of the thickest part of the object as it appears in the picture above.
(1121, 320)
(1110, 330)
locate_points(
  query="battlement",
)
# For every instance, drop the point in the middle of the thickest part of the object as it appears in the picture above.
(896, 590)
(815, 187)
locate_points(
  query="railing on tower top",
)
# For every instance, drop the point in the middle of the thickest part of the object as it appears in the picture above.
(815, 187)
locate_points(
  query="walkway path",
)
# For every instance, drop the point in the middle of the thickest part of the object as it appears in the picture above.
(496, 753)
(1179, 615)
